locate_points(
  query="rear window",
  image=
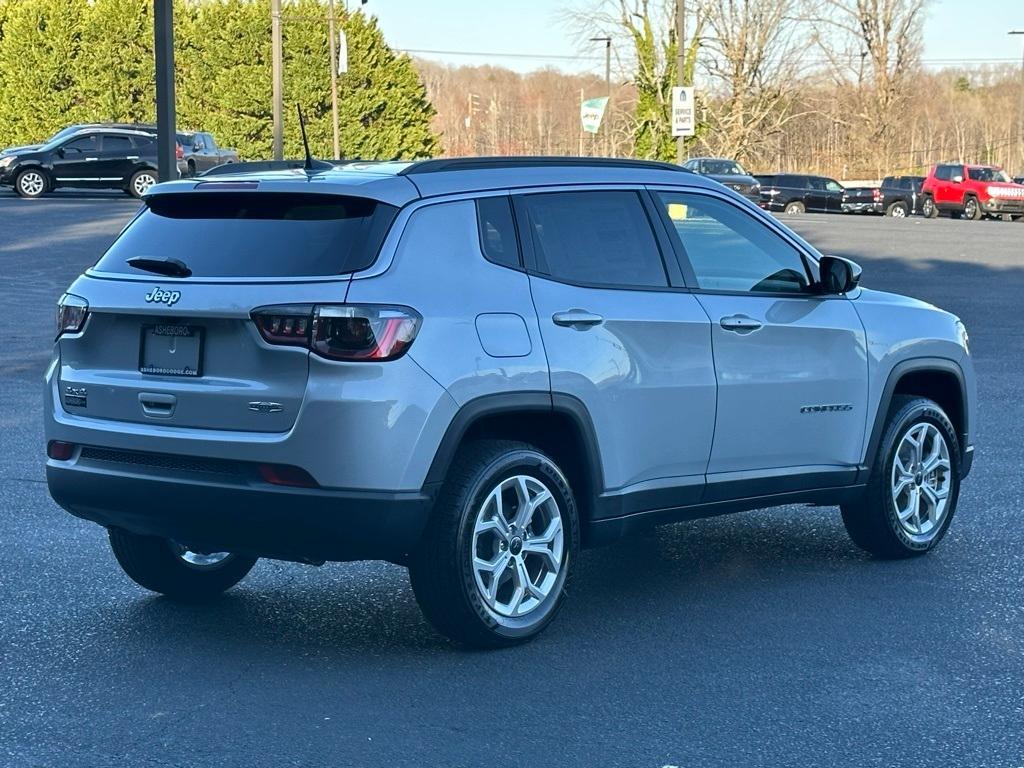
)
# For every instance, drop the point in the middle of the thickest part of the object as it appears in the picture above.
(254, 234)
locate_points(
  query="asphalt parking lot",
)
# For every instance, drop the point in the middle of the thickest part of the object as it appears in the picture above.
(760, 639)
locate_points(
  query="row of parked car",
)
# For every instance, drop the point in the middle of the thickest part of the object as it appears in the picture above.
(957, 189)
(104, 156)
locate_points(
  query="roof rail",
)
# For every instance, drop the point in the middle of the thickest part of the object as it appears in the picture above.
(489, 163)
(259, 166)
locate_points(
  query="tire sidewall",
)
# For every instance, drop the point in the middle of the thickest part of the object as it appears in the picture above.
(794, 209)
(518, 462)
(22, 174)
(928, 209)
(915, 413)
(898, 210)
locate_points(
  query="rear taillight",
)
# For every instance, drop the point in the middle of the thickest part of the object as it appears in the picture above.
(72, 312)
(351, 332)
(179, 151)
(876, 194)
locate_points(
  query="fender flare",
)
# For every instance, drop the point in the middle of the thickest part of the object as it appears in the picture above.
(506, 403)
(898, 371)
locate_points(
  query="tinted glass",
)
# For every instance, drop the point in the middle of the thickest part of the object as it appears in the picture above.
(722, 168)
(731, 251)
(117, 144)
(791, 181)
(497, 231)
(944, 172)
(600, 238)
(833, 186)
(987, 174)
(816, 182)
(255, 234)
(88, 143)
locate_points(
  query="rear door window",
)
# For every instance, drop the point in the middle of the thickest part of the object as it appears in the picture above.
(254, 234)
(598, 238)
(117, 144)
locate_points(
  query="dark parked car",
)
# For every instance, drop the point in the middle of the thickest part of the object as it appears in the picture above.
(862, 200)
(727, 172)
(71, 129)
(901, 195)
(797, 192)
(93, 158)
(1018, 179)
(199, 153)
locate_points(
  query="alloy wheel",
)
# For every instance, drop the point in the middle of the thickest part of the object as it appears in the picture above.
(142, 183)
(921, 481)
(971, 208)
(31, 183)
(518, 546)
(899, 212)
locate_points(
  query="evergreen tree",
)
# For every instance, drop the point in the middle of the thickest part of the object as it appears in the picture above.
(116, 68)
(39, 90)
(223, 62)
(383, 111)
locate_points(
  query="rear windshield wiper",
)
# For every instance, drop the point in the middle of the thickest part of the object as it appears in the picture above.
(168, 267)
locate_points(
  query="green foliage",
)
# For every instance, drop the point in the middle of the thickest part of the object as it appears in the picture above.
(116, 66)
(39, 51)
(65, 61)
(655, 76)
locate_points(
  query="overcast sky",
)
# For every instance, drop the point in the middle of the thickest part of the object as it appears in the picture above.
(956, 31)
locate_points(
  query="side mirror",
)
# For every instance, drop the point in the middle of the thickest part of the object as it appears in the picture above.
(838, 275)
(958, 179)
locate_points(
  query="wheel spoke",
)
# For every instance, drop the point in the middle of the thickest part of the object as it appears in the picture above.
(525, 515)
(901, 486)
(524, 580)
(495, 569)
(906, 514)
(544, 551)
(497, 521)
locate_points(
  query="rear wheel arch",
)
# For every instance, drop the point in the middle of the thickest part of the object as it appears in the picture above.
(938, 379)
(559, 425)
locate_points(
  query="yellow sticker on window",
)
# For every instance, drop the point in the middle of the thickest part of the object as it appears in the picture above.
(676, 211)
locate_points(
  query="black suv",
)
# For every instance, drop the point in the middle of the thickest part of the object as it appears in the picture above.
(796, 193)
(901, 195)
(93, 158)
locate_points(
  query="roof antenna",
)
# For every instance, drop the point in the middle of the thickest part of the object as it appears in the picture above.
(305, 142)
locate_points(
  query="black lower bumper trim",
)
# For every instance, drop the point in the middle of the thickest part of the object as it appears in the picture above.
(268, 521)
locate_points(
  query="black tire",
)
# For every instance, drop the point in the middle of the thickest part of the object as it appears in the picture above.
(32, 183)
(794, 207)
(897, 210)
(441, 570)
(137, 184)
(929, 209)
(191, 169)
(972, 208)
(154, 563)
(872, 521)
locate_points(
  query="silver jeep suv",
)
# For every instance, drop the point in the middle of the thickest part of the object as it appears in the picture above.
(474, 368)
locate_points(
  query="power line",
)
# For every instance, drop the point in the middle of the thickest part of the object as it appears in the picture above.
(587, 57)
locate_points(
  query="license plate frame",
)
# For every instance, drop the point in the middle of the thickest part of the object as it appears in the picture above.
(170, 333)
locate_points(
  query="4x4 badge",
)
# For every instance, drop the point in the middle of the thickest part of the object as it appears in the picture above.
(159, 296)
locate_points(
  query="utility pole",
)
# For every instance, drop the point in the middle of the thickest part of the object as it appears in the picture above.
(163, 47)
(680, 65)
(334, 78)
(277, 56)
(608, 91)
(1020, 114)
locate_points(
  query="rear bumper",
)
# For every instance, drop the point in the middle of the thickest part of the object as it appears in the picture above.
(862, 207)
(209, 511)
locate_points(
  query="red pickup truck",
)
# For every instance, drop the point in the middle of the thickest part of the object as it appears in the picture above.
(971, 191)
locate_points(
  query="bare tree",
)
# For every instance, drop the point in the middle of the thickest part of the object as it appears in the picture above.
(752, 57)
(878, 43)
